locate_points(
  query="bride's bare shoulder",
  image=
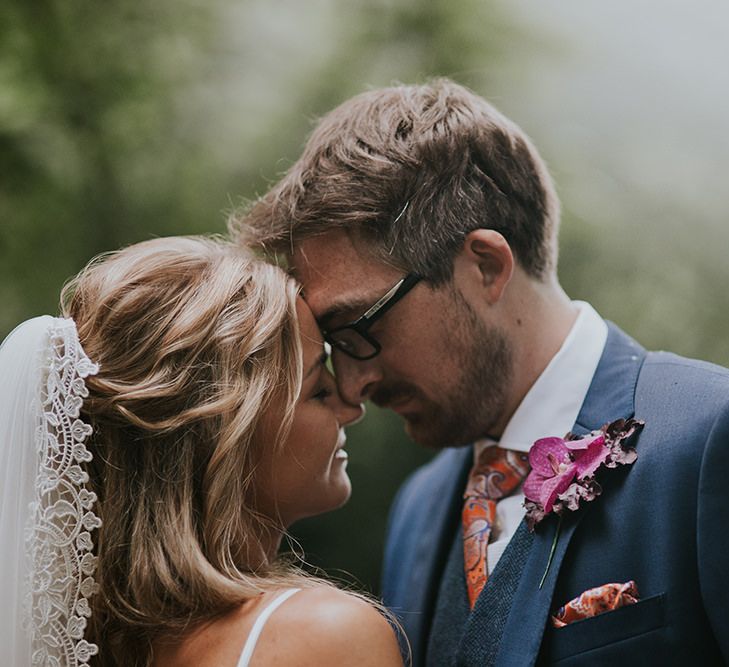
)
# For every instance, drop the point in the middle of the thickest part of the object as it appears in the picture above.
(327, 626)
(316, 626)
(212, 643)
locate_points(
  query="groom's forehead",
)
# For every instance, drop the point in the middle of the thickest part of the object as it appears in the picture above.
(338, 276)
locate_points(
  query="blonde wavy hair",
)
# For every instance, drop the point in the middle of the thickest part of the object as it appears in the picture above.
(196, 341)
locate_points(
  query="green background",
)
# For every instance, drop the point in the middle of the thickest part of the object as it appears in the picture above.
(124, 120)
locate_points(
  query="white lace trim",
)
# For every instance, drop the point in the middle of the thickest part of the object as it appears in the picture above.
(58, 539)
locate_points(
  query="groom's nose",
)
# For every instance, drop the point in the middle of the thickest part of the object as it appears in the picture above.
(356, 380)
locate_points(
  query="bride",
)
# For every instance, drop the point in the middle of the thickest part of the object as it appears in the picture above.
(157, 441)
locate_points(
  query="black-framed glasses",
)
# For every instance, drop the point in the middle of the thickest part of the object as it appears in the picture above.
(354, 338)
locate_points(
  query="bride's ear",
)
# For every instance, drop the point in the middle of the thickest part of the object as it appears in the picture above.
(485, 265)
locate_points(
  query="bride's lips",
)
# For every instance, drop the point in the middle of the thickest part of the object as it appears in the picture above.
(340, 452)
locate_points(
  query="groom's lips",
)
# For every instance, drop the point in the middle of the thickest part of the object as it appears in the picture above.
(402, 406)
(400, 399)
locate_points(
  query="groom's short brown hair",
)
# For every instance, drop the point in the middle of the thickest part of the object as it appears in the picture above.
(411, 170)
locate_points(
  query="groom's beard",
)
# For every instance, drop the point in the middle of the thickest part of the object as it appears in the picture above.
(471, 400)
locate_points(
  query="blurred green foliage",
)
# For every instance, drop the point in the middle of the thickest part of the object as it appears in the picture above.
(123, 120)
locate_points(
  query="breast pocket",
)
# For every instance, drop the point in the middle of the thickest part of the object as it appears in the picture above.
(618, 630)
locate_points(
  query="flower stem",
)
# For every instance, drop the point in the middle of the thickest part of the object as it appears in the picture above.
(551, 552)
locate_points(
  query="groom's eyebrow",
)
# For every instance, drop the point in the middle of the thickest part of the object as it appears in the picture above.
(344, 307)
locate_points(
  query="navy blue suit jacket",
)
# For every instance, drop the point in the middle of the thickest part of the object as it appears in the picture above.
(661, 522)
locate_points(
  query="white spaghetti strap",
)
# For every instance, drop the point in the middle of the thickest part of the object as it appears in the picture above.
(255, 633)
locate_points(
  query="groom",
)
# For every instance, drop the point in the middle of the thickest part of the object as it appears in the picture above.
(423, 226)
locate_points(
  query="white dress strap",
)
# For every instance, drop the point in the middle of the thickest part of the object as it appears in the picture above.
(255, 633)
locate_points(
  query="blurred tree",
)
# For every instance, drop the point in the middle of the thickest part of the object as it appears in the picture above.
(89, 157)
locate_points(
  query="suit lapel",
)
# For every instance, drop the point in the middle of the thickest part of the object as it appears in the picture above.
(610, 396)
(428, 558)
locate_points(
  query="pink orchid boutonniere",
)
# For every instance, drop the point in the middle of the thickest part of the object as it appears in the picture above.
(563, 470)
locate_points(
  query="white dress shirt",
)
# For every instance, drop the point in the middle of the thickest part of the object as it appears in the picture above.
(550, 408)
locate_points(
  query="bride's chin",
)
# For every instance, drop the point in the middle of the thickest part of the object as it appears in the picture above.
(344, 492)
(331, 496)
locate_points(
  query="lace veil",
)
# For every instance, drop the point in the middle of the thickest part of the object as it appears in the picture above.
(47, 514)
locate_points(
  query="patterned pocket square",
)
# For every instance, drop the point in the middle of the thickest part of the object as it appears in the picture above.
(596, 601)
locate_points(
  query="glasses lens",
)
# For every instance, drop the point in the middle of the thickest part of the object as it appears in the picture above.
(352, 343)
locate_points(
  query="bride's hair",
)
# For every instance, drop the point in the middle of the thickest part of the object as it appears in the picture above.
(196, 340)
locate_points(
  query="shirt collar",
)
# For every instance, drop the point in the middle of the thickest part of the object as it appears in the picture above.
(551, 406)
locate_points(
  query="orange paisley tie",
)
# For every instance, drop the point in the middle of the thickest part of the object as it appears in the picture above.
(497, 473)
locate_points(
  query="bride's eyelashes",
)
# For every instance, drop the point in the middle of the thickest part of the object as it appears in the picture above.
(325, 386)
(322, 394)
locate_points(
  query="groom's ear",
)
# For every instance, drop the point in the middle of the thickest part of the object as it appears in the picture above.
(485, 264)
